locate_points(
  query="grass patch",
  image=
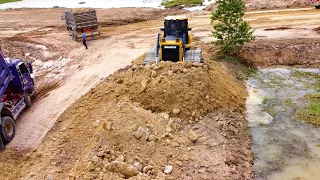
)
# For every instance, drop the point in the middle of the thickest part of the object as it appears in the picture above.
(7, 1)
(242, 70)
(318, 145)
(186, 3)
(302, 74)
(265, 100)
(311, 113)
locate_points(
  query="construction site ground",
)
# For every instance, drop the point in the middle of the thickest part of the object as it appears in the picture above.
(92, 120)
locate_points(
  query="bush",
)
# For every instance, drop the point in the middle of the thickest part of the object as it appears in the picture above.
(229, 27)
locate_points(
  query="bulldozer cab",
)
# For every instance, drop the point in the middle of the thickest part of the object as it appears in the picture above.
(176, 27)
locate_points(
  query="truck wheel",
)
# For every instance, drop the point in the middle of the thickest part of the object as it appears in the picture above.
(317, 7)
(27, 100)
(8, 129)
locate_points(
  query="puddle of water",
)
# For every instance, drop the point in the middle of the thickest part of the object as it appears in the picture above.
(284, 148)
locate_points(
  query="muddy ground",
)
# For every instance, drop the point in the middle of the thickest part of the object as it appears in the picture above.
(201, 116)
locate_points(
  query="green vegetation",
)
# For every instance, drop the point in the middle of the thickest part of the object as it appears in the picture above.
(7, 1)
(265, 100)
(175, 3)
(311, 113)
(229, 27)
(302, 74)
(242, 70)
(318, 145)
(289, 102)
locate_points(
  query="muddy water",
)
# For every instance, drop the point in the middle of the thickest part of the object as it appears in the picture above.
(284, 147)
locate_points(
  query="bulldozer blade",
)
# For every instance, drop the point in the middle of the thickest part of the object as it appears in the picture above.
(190, 56)
(193, 55)
(151, 55)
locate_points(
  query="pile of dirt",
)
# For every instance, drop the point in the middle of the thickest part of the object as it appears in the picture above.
(265, 53)
(270, 4)
(171, 120)
(184, 90)
(107, 17)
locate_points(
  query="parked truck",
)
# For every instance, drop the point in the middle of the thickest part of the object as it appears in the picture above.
(79, 20)
(17, 88)
(315, 3)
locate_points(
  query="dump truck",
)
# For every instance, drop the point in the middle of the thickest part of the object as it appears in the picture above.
(175, 44)
(78, 21)
(17, 88)
(315, 3)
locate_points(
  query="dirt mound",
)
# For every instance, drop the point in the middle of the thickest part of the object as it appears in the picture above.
(270, 4)
(154, 121)
(264, 53)
(275, 4)
(107, 17)
(184, 90)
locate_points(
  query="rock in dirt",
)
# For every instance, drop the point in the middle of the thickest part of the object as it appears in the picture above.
(197, 64)
(147, 168)
(185, 71)
(153, 138)
(120, 158)
(119, 81)
(170, 73)
(125, 169)
(165, 116)
(179, 163)
(153, 74)
(176, 111)
(95, 159)
(157, 67)
(192, 136)
(141, 133)
(151, 147)
(138, 165)
(168, 169)
(144, 85)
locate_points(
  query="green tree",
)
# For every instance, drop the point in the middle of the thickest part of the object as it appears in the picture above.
(229, 27)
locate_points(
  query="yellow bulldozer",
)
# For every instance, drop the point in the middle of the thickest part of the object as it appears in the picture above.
(175, 44)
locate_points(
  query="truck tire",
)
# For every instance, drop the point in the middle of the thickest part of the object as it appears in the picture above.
(27, 100)
(317, 7)
(8, 129)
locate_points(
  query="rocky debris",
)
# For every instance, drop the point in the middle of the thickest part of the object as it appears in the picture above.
(157, 67)
(168, 169)
(153, 74)
(107, 126)
(176, 111)
(146, 169)
(197, 64)
(153, 138)
(151, 147)
(119, 81)
(144, 85)
(179, 163)
(120, 158)
(170, 73)
(95, 159)
(125, 169)
(192, 136)
(185, 71)
(165, 116)
(141, 133)
(138, 165)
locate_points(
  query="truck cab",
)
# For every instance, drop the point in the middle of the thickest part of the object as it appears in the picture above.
(16, 89)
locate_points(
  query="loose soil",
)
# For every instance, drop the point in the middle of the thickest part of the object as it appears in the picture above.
(205, 135)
